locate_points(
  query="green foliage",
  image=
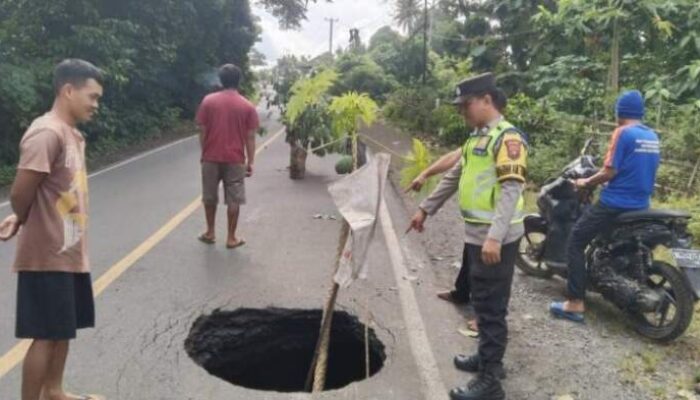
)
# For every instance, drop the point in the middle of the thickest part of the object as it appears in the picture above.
(359, 73)
(451, 129)
(422, 108)
(7, 174)
(309, 92)
(557, 62)
(344, 165)
(351, 109)
(400, 58)
(288, 70)
(291, 13)
(416, 162)
(157, 59)
(307, 116)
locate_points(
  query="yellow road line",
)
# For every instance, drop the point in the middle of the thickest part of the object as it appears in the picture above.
(13, 357)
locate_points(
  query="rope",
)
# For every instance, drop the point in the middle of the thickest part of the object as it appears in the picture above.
(393, 152)
(325, 145)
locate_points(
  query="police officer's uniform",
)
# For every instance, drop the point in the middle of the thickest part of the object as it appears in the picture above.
(490, 181)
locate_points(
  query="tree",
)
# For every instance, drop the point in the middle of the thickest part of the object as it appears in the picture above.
(289, 12)
(308, 119)
(361, 74)
(409, 15)
(158, 60)
(385, 36)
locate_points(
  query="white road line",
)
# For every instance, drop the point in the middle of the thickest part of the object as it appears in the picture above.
(128, 161)
(432, 385)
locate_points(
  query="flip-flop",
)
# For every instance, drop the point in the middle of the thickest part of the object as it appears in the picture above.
(87, 397)
(206, 240)
(557, 309)
(240, 243)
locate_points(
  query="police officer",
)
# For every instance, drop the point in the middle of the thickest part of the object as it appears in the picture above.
(490, 180)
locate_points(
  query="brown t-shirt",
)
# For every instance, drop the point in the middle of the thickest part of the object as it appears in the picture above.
(53, 236)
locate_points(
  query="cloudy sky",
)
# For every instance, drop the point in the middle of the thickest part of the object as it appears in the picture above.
(312, 38)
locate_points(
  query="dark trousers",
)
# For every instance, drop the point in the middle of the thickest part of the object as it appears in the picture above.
(593, 222)
(490, 294)
(461, 291)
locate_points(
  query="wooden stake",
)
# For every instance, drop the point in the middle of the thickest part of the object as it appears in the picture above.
(319, 364)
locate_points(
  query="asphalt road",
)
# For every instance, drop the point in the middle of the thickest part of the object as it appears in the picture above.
(154, 279)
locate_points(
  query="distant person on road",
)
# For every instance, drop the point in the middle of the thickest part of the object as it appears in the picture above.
(228, 123)
(49, 198)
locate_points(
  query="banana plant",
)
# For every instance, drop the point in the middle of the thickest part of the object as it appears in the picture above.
(349, 111)
(308, 120)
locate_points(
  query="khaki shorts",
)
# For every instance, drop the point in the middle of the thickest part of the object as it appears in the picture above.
(233, 177)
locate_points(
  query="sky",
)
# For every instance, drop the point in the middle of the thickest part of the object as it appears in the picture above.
(312, 38)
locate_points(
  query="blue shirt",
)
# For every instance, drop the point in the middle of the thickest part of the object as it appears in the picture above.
(634, 153)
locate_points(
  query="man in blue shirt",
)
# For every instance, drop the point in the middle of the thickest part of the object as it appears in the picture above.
(630, 170)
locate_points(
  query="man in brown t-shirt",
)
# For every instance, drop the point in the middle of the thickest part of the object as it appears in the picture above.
(49, 198)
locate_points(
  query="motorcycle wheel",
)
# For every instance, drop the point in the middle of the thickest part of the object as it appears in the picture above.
(530, 256)
(675, 313)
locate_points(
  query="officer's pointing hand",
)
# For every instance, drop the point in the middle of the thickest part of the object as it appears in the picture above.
(417, 184)
(418, 221)
(491, 252)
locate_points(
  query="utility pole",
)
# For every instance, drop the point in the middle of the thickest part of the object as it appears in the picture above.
(425, 41)
(332, 21)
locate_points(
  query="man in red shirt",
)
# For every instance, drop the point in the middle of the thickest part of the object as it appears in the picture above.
(228, 124)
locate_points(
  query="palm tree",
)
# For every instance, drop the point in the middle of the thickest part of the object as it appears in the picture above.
(408, 14)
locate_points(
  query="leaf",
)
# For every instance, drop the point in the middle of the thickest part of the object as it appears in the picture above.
(665, 27)
(478, 51)
(416, 162)
(351, 109)
(308, 92)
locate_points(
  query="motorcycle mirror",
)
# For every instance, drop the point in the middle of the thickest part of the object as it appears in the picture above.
(586, 146)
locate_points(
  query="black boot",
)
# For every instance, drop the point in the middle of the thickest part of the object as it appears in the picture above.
(486, 386)
(473, 364)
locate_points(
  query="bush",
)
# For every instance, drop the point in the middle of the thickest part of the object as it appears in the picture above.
(361, 74)
(411, 108)
(7, 174)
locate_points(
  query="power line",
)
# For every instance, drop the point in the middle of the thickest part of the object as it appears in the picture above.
(485, 37)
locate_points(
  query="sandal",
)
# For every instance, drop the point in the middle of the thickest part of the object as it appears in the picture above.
(206, 240)
(557, 309)
(86, 397)
(240, 243)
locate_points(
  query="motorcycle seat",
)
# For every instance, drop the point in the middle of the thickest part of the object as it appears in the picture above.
(651, 214)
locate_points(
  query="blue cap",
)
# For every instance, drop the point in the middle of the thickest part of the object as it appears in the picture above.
(630, 105)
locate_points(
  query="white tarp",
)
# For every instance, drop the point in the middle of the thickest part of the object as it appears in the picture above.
(358, 197)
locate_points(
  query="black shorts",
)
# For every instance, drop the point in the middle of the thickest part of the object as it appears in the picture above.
(53, 305)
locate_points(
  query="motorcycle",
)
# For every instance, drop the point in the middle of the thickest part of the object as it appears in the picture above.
(658, 295)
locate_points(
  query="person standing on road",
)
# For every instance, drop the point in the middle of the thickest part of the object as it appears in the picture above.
(49, 198)
(490, 180)
(228, 123)
(631, 164)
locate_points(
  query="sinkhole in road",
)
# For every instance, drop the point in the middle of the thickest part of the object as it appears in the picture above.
(272, 349)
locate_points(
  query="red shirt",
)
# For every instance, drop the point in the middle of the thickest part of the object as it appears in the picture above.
(227, 118)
